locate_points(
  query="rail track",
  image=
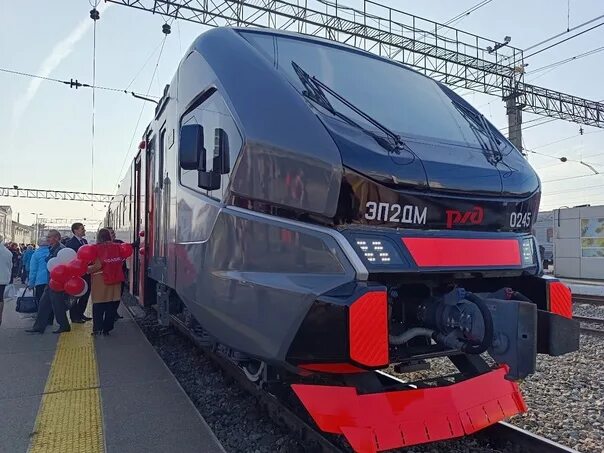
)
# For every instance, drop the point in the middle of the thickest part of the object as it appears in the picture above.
(275, 408)
(591, 300)
(588, 323)
(591, 322)
(501, 434)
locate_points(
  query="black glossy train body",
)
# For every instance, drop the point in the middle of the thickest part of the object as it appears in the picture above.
(319, 210)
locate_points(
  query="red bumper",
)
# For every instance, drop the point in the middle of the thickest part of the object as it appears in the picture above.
(382, 421)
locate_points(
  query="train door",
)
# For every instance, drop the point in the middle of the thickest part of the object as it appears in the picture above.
(158, 264)
(135, 277)
(146, 287)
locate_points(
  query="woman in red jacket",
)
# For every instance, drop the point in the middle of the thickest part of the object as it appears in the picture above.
(107, 278)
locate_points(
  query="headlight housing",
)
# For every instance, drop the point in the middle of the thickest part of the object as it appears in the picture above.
(528, 251)
(376, 251)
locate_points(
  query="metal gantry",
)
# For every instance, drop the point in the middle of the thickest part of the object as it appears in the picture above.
(20, 192)
(455, 57)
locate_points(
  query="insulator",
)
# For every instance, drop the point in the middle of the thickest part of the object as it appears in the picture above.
(166, 29)
(94, 14)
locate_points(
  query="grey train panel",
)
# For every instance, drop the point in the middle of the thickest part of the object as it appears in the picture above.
(275, 143)
(259, 280)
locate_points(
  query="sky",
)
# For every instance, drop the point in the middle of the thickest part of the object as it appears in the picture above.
(46, 128)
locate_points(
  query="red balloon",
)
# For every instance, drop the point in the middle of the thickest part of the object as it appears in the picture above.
(125, 250)
(56, 286)
(77, 267)
(60, 273)
(74, 286)
(87, 253)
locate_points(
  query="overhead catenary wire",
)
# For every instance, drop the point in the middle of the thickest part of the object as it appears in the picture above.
(566, 60)
(159, 44)
(94, 15)
(573, 177)
(454, 20)
(551, 38)
(140, 115)
(467, 12)
(72, 83)
(563, 41)
(549, 194)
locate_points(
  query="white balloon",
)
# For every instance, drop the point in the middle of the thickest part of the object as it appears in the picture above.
(52, 263)
(83, 292)
(66, 255)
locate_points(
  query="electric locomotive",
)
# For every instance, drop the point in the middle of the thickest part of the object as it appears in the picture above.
(322, 214)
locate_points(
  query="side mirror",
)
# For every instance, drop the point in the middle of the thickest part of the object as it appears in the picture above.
(221, 162)
(191, 147)
(209, 180)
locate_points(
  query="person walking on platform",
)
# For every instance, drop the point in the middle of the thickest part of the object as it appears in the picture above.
(77, 310)
(107, 278)
(29, 251)
(6, 271)
(14, 248)
(52, 300)
(38, 273)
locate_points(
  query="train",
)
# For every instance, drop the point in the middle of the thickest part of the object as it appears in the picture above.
(333, 221)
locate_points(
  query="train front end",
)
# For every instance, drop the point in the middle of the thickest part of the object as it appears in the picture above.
(437, 206)
(396, 227)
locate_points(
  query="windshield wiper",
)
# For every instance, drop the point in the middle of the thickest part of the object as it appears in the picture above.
(484, 126)
(315, 91)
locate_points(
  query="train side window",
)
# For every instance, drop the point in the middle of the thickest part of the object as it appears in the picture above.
(222, 143)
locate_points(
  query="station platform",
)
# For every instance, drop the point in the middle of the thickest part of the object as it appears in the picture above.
(77, 393)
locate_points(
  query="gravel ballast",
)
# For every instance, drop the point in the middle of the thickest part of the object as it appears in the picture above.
(594, 311)
(233, 415)
(566, 397)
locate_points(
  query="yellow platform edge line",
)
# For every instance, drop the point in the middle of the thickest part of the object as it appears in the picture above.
(70, 418)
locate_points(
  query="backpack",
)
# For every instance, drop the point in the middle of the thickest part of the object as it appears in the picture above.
(111, 262)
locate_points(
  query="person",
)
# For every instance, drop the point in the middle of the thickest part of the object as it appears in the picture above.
(124, 268)
(38, 273)
(6, 272)
(29, 251)
(77, 310)
(107, 278)
(112, 233)
(55, 301)
(14, 248)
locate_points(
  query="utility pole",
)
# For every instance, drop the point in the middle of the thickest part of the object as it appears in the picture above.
(514, 112)
(514, 107)
(37, 239)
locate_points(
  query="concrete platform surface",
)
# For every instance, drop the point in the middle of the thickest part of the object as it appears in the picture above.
(74, 393)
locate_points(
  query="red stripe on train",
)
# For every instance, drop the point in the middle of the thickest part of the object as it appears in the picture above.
(455, 252)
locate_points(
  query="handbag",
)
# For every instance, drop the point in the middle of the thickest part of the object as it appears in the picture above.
(27, 304)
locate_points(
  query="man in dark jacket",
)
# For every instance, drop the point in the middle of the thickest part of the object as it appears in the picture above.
(76, 312)
(52, 301)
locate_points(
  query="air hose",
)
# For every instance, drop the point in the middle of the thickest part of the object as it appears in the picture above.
(410, 334)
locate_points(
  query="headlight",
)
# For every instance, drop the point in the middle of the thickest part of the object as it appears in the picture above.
(528, 252)
(377, 251)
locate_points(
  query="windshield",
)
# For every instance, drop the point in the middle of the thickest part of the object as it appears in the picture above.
(399, 98)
